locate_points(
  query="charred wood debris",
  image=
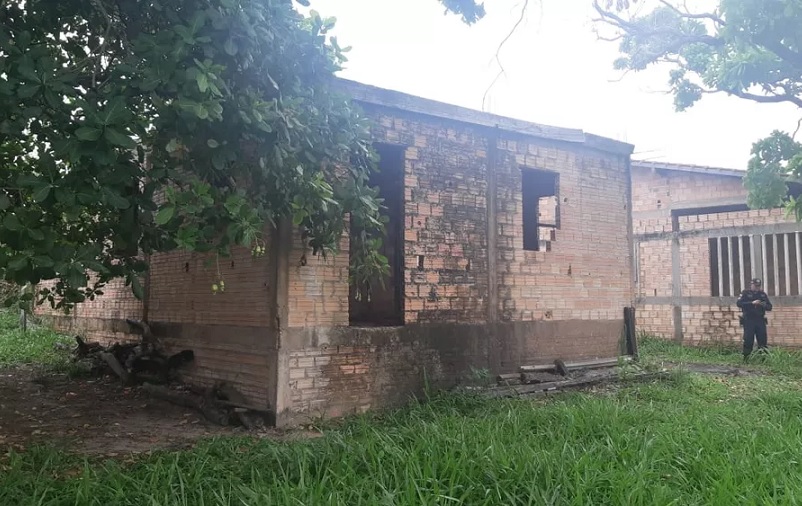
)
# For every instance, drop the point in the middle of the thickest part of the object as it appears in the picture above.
(544, 379)
(145, 364)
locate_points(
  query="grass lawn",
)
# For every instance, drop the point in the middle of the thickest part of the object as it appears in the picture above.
(690, 440)
(37, 346)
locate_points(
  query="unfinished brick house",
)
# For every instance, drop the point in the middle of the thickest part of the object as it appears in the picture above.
(697, 246)
(510, 244)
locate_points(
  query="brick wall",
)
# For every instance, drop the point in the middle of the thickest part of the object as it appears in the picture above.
(708, 318)
(586, 274)
(228, 331)
(566, 302)
(100, 319)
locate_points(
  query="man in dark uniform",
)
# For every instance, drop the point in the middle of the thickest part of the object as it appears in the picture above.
(754, 303)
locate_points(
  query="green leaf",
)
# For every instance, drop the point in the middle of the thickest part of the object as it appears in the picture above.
(5, 202)
(212, 143)
(298, 218)
(18, 263)
(11, 222)
(88, 133)
(203, 82)
(43, 261)
(116, 111)
(230, 47)
(119, 139)
(115, 199)
(36, 234)
(64, 196)
(41, 193)
(27, 71)
(27, 90)
(136, 287)
(164, 215)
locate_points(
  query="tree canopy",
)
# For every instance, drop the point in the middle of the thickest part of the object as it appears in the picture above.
(134, 127)
(751, 49)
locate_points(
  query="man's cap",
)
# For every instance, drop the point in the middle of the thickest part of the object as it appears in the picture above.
(756, 282)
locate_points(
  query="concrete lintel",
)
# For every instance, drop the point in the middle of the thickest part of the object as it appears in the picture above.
(665, 212)
(780, 301)
(777, 228)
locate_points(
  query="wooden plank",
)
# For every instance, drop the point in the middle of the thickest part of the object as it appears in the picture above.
(597, 363)
(536, 368)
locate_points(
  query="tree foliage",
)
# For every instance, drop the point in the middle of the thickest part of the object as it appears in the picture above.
(134, 127)
(470, 10)
(750, 49)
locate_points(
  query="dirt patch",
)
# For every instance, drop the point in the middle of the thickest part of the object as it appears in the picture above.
(96, 416)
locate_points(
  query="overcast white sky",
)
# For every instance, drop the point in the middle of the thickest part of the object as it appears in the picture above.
(557, 73)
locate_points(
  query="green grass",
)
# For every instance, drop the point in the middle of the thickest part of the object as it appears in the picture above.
(776, 361)
(37, 346)
(692, 440)
(688, 440)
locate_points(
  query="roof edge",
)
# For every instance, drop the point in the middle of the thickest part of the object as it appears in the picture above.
(370, 94)
(696, 169)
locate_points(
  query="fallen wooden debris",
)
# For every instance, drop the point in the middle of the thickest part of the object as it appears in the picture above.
(597, 363)
(115, 366)
(537, 368)
(133, 363)
(221, 404)
(539, 389)
(538, 377)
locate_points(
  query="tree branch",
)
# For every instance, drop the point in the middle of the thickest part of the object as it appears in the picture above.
(689, 15)
(634, 29)
(780, 50)
(498, 51)
(766, 99)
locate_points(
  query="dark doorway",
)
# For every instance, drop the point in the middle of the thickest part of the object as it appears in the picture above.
(386, 304)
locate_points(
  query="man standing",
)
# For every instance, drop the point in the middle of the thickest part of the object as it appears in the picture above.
(754, 303)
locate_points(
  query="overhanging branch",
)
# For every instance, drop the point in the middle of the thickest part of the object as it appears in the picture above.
(634, 29)
(689, 15)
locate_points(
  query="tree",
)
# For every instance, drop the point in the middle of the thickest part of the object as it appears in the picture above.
(134, 127)
(751, 49)
(469, 10)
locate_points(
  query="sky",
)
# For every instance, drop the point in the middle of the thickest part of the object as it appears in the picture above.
(557, 72)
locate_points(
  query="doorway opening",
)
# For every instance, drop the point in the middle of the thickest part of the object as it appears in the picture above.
(386, 305)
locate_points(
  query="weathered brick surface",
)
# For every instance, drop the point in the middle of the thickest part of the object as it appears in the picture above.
(228, 331)
(318, 287)
(654, 193)
(587, 273)
(116, 303)
(586, 276)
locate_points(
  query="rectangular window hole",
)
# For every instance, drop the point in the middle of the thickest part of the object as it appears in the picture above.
(420, 262)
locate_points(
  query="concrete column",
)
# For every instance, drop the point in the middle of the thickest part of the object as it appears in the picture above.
(676, 279)
(278, 292)
(491, 205)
